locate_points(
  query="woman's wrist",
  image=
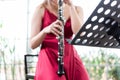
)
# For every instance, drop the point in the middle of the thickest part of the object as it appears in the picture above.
(44, 32)
(71, 7)
(69, 3)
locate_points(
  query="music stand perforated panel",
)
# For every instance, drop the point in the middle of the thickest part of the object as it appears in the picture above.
(102, 28)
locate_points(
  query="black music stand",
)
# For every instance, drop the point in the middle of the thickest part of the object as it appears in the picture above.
(102, 28)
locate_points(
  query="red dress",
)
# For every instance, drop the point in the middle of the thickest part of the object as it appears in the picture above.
(47, 65)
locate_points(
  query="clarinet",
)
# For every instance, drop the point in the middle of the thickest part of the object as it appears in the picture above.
(60, 40)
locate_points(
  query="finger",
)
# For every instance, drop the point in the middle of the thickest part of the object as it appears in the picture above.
(52, 31)
(65, 1)
(58, 27)
(59, 22)
(56, 31)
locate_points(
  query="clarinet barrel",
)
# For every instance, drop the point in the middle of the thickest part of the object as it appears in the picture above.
(61, 40)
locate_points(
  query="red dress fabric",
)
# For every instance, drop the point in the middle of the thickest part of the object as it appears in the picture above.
(47, 64)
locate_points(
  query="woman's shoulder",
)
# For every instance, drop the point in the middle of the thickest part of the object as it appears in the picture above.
(40, 6)
(40, 9)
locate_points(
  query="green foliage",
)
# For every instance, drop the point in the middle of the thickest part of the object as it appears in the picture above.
(5, 51)
(114, 68)
(1, 25)
(3, 46)
(102, 66)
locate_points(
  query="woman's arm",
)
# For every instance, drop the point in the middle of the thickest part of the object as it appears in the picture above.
(37, 35)
(76, 14)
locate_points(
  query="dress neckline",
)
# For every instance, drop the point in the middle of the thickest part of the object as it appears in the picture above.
(56, 15)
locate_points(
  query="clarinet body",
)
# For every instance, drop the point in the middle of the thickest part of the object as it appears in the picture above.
(61, 40)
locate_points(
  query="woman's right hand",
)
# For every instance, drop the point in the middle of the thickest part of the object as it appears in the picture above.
(54, 28)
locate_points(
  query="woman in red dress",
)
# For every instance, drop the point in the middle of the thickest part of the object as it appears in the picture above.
(45, 28)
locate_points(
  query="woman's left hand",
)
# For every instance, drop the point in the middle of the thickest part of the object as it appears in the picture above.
(69, 2)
